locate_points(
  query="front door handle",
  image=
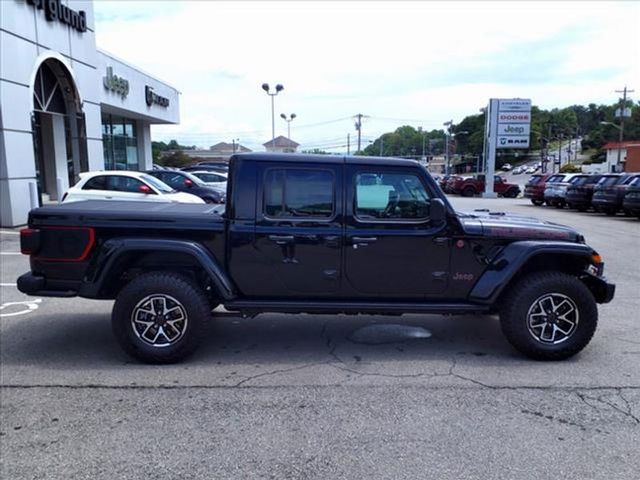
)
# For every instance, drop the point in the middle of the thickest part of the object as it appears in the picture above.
(281, 239)
(362, 241)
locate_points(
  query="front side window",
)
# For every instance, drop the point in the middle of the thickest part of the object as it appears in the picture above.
(390, 196)
(119, 183)
(291, 193)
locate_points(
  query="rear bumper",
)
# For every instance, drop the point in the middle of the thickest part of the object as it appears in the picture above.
(534, 194)
(37, 285)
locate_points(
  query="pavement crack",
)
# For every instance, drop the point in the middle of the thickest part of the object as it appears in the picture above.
(276, 372)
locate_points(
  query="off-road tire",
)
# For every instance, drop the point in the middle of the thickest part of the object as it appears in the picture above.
(521, 298)
(193, 305)
(468, 192)
(511, 193)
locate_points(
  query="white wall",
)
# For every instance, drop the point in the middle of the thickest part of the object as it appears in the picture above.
(27, 39)
(135, 101)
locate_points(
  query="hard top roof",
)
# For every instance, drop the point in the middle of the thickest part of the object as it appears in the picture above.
(315, 158)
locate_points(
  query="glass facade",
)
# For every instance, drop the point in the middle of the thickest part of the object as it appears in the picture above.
(120, 144)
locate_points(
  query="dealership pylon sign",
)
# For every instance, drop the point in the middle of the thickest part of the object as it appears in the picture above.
(508, 125)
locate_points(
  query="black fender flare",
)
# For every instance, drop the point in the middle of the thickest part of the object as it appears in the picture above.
(112, 250)
(513, 257)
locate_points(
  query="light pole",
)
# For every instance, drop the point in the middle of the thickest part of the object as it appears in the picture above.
(446, 146)
(279, 88)
(288, 120)
(620, 137)
(234, 142)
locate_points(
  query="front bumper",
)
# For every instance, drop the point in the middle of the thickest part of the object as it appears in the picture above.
(602, 290)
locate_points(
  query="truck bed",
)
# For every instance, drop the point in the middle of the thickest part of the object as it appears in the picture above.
(121, 214)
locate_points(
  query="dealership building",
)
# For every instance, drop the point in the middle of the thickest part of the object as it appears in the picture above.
(67, 107)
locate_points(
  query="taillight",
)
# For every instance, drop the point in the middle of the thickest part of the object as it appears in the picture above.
(29, 241)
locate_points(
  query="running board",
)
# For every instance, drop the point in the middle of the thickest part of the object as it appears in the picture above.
(253, 307)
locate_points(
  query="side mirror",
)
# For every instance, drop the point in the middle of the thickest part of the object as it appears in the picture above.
(188, 183)
(144, 189)
(437, 210)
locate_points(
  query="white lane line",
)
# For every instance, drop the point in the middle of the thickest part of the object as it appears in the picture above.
(8, 284)
(9, 232)
(10, 253)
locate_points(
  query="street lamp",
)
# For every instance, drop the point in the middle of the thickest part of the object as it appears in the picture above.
(279, 88)
(447, 132)
(620, 137)
(288, 120)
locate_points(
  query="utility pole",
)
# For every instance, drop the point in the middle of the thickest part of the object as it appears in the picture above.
(381, 144)
(358, 125)
(348, 143)
(623, 104)
(559, 154)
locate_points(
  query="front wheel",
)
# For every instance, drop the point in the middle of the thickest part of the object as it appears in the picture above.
(160, 317)
(537, 203)
(468, 192)
(549, 316)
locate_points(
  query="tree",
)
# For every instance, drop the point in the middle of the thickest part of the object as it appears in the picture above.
(177, 159)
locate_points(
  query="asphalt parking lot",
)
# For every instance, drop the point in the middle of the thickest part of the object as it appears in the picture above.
(323, 396)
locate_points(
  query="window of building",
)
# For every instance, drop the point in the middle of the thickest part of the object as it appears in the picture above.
(291, 193)
(395, 196)
(119, 142)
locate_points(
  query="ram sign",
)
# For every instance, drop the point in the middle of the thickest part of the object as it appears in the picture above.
(514, 123)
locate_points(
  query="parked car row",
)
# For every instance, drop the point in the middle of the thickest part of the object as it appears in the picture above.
(606, 193)
(529, 169)
(204, 183)
(470, 186)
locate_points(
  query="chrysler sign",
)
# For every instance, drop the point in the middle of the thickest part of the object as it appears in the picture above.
(153, 98)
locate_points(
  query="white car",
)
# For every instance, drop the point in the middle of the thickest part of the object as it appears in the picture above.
(214, 178)
(125, 185)
(530, 170)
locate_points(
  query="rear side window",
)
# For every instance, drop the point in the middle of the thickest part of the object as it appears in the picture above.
(96, 183)
(298, 193)
(390, 196)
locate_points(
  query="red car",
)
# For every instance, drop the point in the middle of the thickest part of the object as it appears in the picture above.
(469, 186)
(534, 188)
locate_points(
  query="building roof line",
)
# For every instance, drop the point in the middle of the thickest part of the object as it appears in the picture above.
(137, 69)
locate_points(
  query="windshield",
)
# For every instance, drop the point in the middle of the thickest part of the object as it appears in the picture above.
(635, 182)
(194, 179)
(157, 184)
(581, 180)
(535, 179)
(555, 178)
(607, 181)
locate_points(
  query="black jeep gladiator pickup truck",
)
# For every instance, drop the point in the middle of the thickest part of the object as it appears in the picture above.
(316, 234)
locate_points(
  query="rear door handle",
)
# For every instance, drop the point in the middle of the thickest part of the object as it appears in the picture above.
(281, 239)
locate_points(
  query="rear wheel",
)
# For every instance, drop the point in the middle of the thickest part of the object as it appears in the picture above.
(549, 316)
(537, 203)
(160, 317)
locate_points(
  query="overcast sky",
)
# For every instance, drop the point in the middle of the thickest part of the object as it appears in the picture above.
(416, 63)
